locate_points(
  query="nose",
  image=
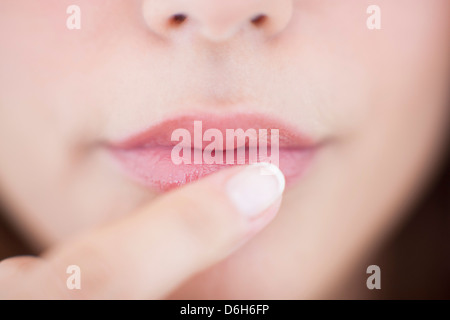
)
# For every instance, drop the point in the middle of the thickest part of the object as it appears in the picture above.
(217, 20)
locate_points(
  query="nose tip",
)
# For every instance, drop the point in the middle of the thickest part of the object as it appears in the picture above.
(217, 20)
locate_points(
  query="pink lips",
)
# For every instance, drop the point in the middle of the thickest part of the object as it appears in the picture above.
(146, 156)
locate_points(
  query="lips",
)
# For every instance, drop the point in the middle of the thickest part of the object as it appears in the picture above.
(147, 156)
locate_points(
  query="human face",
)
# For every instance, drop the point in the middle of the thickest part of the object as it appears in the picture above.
(373, 102)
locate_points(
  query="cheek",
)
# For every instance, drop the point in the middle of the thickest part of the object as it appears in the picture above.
(48, 72)
(409, 69)
(40, 45)
(408, 62)
(351, 74)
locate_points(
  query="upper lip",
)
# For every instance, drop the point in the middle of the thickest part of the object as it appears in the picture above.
(159, 134)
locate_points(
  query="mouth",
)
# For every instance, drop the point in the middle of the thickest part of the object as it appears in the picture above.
(148, 156)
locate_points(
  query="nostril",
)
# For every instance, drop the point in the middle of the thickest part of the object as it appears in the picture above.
(172, 19)
(259, 19)
(178, 19)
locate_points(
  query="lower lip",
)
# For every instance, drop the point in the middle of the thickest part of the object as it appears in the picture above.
(153, 166)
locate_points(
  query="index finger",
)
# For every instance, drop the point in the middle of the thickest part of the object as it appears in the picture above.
(149, 253)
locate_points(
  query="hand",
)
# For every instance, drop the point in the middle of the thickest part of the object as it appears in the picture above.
(149, 253)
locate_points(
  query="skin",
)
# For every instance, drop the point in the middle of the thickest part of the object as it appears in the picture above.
(376, 99)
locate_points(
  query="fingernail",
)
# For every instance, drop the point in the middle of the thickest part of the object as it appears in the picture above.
(253, 190)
